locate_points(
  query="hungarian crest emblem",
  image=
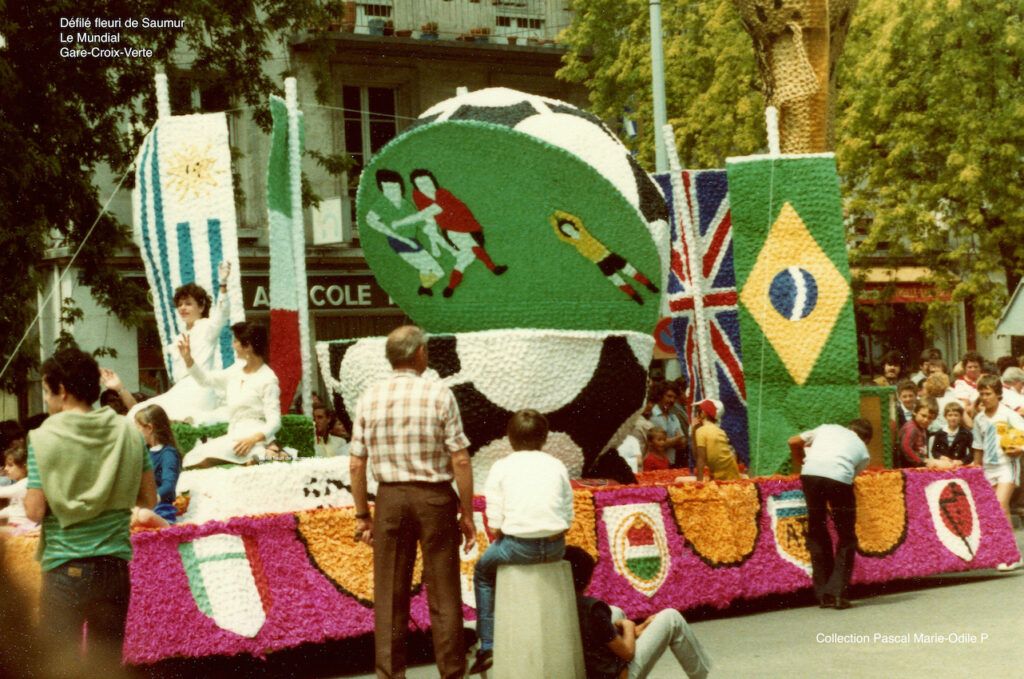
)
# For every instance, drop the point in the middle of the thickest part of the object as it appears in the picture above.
(637, 542)
(788, 511)
(954, 516)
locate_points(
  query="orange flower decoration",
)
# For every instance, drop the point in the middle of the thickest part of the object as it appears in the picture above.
(22, 569)
(328, 536)
(718, 519)
(583, 532)
(881, 512)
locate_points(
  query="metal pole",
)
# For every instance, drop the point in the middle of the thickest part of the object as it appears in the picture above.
(658, 87)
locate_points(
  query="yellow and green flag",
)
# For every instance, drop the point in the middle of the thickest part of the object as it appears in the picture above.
(796, 310)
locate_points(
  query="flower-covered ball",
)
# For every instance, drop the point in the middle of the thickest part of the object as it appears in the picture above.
(588, 384)
(500, 209)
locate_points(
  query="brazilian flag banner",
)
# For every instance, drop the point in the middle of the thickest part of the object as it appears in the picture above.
(797, 325)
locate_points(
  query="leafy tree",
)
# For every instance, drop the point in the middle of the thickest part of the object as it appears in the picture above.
(64, 118)
(931, 136)
(712, 88)
(929, 128)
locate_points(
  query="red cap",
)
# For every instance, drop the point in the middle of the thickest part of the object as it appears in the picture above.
(711, 408)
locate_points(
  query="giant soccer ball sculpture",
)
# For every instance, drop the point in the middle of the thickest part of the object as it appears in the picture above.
(522, 235)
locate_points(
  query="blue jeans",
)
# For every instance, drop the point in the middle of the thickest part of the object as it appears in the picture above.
(93, 590)
(508, 550)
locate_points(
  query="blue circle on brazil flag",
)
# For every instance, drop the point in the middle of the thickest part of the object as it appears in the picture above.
(794, 293)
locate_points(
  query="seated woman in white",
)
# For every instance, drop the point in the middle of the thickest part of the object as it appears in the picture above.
(187, 400)
(253, 400)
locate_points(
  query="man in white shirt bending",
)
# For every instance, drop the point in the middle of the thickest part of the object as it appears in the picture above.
(529, 509)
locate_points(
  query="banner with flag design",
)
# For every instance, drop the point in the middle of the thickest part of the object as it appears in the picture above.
(289, 322)
(702, 297)
(184, 214)
(796, 310)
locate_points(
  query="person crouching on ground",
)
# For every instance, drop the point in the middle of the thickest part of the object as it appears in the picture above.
(711, 444)
(827, 459)
(529, 508)
(614, 647)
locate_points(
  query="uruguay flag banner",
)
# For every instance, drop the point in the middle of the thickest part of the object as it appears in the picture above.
(184, 214)
(289, 310)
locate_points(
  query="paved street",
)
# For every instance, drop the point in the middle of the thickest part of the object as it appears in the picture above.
(805, 641)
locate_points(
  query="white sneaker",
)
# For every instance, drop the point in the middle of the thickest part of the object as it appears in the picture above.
(1007, 567)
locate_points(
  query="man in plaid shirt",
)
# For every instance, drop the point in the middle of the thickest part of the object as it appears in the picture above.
(411, 430)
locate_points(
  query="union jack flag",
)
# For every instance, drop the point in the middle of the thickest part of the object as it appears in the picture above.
(703, 241)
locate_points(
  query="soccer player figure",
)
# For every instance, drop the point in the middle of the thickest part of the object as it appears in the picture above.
(570, 229)
(392, 212)
(462, 233)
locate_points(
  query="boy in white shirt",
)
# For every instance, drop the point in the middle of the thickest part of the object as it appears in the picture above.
(529, 509)
(994, 447)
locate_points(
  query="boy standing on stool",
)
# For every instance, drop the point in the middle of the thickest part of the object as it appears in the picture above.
(529, 509)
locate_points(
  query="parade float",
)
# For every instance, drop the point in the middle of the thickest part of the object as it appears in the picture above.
(544, 291)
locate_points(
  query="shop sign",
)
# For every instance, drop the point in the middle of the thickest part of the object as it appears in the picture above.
(325, 292)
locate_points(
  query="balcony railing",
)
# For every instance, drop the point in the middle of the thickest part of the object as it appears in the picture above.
(502, 22)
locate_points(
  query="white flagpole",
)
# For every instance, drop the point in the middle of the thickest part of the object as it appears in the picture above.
(688, 231)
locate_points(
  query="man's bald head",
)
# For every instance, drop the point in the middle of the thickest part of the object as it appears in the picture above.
(402, 346)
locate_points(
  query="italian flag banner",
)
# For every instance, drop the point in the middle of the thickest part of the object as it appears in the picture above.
(184, 219)
(289, 311)
(796, 310)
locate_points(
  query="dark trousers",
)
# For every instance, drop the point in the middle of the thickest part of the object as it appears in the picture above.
(831, 574)
(407, 513)
(93, 590)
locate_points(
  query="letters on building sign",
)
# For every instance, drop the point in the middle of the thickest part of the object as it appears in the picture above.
(324, 293)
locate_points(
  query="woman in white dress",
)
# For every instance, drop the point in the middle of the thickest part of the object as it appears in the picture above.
(253, 399)
(187, 400)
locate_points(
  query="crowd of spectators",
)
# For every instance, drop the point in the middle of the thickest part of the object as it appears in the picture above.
(669, 437)
(968, 415)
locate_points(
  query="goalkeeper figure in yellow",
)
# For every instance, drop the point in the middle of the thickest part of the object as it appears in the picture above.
(570, 229)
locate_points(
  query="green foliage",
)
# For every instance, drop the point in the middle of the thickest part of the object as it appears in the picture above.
(711, 82)
(65, 118)
(70, 313)
(930, 132)
(296, 432)
(929, 127)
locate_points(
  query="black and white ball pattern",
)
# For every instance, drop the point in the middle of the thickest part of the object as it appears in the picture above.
(588, 384)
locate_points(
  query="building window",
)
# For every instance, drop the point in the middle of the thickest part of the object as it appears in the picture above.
(153, 377)
(518, 26)
(381, 9)
(191, 93)
(369, 125)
